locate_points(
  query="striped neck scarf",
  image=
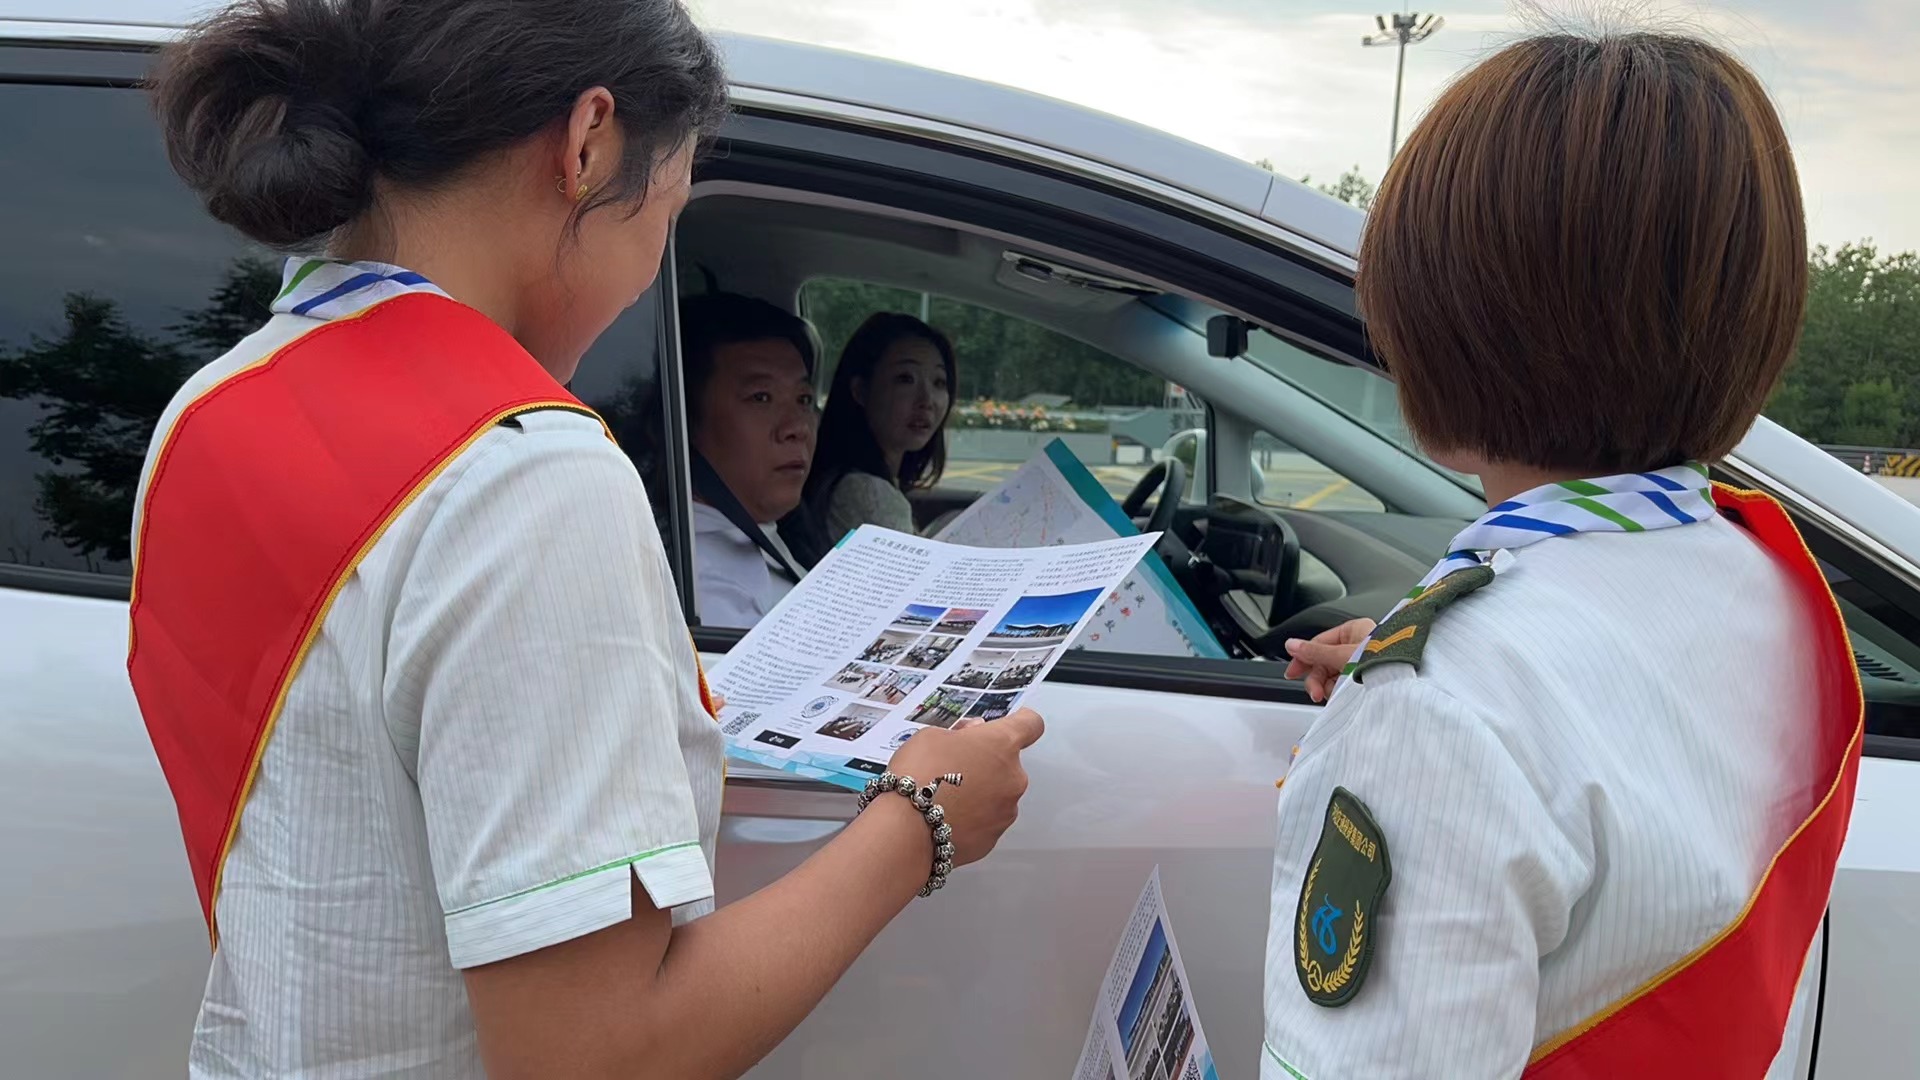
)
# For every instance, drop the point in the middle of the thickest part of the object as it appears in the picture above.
(324, 289)
(1629, 503)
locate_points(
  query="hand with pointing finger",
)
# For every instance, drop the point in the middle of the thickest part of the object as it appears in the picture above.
(988, 756)
(1321, 660)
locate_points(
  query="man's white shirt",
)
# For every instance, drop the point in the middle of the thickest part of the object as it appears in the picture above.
(497, 729)
(735, 583)
(1583, 783)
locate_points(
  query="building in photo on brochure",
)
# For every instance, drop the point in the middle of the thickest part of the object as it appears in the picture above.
(1042, 620)
(1155, 1028)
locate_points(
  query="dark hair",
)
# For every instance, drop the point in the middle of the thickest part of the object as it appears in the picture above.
(710, 320)
(1590, 255)
(282, 113)
(846, 438)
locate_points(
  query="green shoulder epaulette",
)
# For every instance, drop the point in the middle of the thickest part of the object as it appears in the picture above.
(1402, 639)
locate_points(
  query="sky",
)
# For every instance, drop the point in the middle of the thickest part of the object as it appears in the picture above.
(1287, 80)
(1142, 982)
(1057, 610)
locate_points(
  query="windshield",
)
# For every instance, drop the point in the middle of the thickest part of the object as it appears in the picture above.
(1359, 394)
(1356, 393)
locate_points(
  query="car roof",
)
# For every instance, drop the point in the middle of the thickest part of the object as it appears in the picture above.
(807, 72)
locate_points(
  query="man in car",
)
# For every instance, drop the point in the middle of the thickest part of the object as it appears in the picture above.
(752, 422)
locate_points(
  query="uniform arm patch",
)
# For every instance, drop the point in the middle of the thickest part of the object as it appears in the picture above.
(1402, 638)
(1340, 903)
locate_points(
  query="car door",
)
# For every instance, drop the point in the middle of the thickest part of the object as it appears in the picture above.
(1171, 762)
(1148, 761)
(112, 280)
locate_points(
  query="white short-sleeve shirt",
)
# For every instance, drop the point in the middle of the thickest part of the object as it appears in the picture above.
(1583, 782)
(497, 729)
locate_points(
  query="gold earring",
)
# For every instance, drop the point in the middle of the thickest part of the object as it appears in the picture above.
(582, 193)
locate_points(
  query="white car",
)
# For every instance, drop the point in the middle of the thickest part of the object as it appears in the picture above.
(841, 174)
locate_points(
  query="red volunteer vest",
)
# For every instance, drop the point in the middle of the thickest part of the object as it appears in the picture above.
(1720, 1011)
(265, 495)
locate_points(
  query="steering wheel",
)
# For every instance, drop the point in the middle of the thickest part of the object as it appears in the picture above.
(1170, 477)
(1247, 573)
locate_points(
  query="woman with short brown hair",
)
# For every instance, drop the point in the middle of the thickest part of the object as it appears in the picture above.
(1584, 824)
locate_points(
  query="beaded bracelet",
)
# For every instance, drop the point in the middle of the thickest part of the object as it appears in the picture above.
(922, 800)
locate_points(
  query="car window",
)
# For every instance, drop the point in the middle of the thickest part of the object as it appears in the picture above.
(116, 287)
(1883, 620)
(1357, 393)
(1020, 386)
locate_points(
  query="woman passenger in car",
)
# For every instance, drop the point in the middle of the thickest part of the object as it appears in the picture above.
(884, 431)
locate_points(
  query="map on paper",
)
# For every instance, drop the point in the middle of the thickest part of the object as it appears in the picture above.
(1035, 507)
(1053, 499)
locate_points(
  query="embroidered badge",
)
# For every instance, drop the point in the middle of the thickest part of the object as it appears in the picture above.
(1402, 639)
(1340, 903)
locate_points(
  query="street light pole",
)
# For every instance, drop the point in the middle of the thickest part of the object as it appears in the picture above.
(1406, 29)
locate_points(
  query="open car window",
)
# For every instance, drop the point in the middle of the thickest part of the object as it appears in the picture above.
(1021, 385)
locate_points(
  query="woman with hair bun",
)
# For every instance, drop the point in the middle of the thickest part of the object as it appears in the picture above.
(403, 632)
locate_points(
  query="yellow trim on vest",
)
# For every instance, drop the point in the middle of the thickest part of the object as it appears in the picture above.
(1686, 961)
(1405, 633)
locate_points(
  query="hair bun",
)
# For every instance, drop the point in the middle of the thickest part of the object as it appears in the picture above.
(260, 111)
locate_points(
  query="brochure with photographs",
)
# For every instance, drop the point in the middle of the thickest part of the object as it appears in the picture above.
(893, 633)
(1055, 499)
(1144, 1023)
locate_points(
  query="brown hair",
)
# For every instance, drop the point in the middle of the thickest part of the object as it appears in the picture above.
(1590, 255)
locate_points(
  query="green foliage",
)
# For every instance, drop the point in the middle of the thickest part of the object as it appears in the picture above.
(1856, 380)
(999, 357)
(101, 387)
(1352, 188)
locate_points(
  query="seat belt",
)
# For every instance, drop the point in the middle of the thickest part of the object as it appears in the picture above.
(714, 491)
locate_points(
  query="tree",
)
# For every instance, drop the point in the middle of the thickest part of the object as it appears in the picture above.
(101, 387)
(1856, 378)
(1870, 415)
(1353, 188)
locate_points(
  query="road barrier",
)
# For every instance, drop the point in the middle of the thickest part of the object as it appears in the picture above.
(1878, 460)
